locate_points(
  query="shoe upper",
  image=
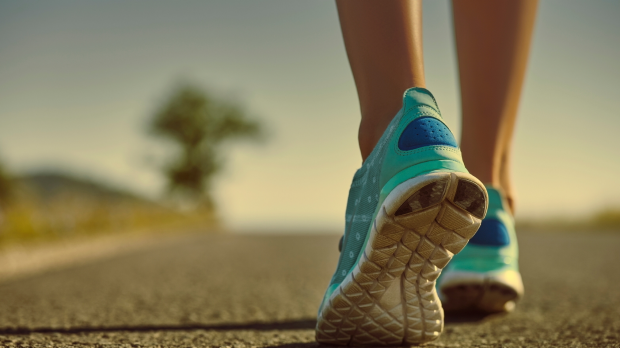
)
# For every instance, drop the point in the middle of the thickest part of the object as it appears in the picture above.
(493, 249)
(417, 135)
(417, 141)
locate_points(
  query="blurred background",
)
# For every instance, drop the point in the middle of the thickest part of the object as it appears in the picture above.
(114, 115)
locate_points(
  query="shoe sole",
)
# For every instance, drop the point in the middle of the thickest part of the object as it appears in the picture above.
(389, 298)
(478, 292)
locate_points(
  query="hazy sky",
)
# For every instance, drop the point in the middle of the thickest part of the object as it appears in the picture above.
(79, 79)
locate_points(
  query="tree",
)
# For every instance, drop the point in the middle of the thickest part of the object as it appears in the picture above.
(6, 188)
(199, 124)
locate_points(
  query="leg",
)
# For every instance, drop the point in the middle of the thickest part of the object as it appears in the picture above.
(384, 46)
(493, 41)
(412, 206)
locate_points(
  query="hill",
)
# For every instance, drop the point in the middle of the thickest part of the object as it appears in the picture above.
(48, 186)
(53, 205)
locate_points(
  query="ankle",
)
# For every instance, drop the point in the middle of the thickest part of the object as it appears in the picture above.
(510, 197)
(370, 131)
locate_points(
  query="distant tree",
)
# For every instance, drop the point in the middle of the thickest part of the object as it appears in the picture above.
(199, 124)
(6, 187)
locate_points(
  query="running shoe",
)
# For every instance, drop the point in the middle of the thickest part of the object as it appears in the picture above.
(485, 276)
(412, 206)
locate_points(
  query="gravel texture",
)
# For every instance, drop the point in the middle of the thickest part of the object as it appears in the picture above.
(219, 290)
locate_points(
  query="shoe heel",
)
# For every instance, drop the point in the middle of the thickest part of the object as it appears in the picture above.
(486, 293)
(389, 298)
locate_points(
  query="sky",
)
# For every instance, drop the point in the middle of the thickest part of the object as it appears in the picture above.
(80, 79)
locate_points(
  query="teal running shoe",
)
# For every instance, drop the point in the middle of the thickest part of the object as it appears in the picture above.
(412, 206)
(485, 275)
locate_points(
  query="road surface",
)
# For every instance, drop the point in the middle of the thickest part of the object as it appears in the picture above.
(223, 290)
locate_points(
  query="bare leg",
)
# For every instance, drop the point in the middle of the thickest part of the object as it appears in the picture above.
(384, 45)
(493, 41)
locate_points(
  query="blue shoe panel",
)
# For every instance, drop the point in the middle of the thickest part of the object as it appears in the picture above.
(425, 131)
(491, 232)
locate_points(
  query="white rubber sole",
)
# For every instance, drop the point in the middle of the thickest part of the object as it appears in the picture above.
(389, 298)
(490, 292)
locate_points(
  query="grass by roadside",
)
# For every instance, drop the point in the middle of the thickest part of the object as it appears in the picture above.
(607, 220)
(48, 207)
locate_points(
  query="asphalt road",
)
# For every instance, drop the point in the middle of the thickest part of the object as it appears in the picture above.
(211, 290)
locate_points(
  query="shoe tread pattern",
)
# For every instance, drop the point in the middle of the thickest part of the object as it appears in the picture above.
(485, 297)
(411, 247)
